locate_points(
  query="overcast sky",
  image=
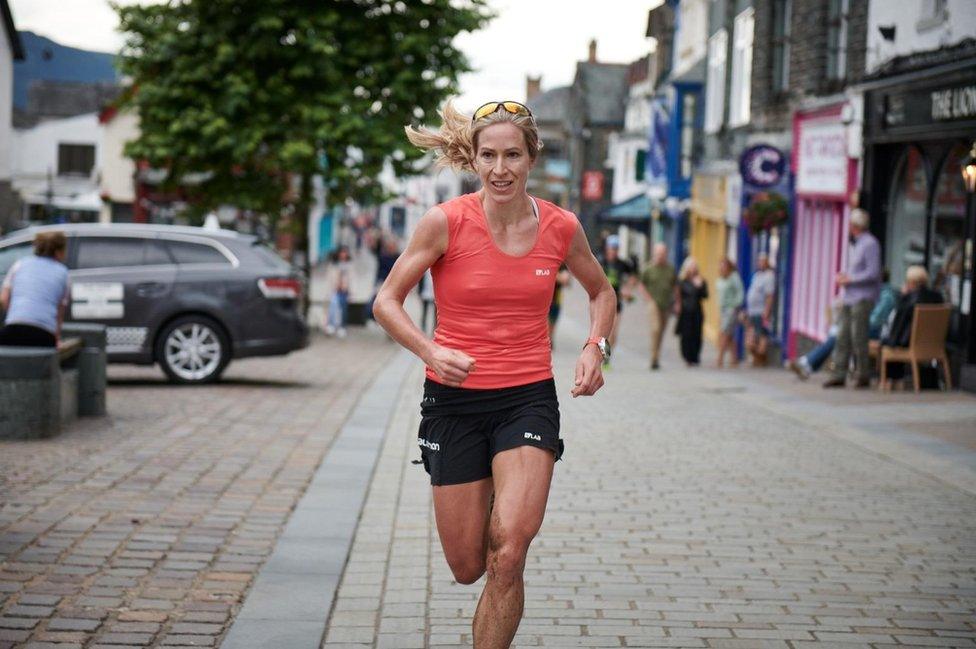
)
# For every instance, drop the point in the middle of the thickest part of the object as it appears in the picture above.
(544, 37)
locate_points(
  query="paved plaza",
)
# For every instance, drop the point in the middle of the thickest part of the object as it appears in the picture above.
(693, 508)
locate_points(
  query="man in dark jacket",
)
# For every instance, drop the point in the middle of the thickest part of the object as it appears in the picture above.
(915, 291)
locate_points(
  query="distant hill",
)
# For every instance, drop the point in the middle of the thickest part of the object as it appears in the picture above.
(45, 60)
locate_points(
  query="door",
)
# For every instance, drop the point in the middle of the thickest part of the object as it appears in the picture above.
(122, 282)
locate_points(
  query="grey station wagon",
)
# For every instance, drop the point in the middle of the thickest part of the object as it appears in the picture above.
(187, 298)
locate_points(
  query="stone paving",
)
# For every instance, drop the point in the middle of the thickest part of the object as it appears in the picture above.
(695, 508)
(146, 528)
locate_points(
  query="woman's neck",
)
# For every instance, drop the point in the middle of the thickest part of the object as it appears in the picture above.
(509, 212)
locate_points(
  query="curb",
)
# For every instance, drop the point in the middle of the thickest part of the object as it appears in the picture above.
(289, 604)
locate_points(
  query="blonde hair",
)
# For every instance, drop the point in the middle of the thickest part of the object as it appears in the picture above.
(686, 268)
(455, 142)
(49, 244)
(917, 275)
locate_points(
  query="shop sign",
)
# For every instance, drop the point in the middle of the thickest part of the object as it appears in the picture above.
(821, 164)
(592, 185)
(762, 165)
(941, 105)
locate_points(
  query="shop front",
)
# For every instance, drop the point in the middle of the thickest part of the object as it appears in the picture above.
(825, 182)
(766, 200)
(713, 219)
(919, 132)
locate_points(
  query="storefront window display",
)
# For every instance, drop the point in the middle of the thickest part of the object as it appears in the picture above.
(948, 234)
(906, 226)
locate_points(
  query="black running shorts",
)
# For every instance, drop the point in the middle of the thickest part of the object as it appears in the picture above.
(462, 429)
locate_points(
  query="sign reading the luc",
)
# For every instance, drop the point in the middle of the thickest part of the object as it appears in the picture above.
(762, 165)
(954, 103)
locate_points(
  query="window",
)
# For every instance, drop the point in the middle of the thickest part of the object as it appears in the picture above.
(906, 228)
(740, 94)
(110, 252)
(782, 15)
(76, 159)
(932, 13)
(689, 141)
(10, 254)
(947, 232)
(837, 39)
(640, 164)
(156, 254)
(185, 252)
(715, 84)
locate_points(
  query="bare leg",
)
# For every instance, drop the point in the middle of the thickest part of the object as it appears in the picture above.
(461, 512)
(522, 476)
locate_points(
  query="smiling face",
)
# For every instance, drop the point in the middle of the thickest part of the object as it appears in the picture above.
(502, 161)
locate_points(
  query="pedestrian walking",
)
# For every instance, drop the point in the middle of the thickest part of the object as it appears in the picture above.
(620, 274)
(658, 284)
(692, 289)
(759, 310)
(860, 287)
(339, 277)
(730, 294)
(35, 294)
(489, 435)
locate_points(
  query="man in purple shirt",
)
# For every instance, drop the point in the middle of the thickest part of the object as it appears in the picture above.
(860, 287)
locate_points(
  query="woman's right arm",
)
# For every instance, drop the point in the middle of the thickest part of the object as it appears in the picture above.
(428, 243)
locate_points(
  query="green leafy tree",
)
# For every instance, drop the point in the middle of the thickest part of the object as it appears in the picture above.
(258, 96)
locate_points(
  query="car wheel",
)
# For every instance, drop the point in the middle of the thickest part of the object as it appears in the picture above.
(192, 349)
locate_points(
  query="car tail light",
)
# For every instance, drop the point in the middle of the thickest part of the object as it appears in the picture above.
(280, 288)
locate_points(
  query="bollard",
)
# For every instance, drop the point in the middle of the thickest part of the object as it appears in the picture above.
(91, 364)
(30, 393)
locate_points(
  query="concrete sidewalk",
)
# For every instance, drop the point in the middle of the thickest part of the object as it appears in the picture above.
(696, 508)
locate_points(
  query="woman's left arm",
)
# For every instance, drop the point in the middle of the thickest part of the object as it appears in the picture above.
(603, 306)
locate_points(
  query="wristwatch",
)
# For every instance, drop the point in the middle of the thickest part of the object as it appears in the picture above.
(602, 345)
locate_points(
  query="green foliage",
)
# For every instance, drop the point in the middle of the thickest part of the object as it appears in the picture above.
(766, 211)
(255, 92)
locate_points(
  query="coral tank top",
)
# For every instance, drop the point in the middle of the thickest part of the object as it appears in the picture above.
(492, 306)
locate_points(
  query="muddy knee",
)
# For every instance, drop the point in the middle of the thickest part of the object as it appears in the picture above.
(506, 560)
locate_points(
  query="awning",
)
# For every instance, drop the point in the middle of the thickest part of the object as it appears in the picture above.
(637, 208)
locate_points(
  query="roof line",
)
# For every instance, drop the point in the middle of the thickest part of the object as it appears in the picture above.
(8, 20)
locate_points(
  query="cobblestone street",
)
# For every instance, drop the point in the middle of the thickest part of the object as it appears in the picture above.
(145, 528)
(693, 508)
(696, 508)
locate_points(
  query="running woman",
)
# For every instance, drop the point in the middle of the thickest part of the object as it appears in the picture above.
(489, 435)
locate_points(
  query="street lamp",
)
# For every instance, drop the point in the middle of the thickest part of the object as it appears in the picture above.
(968, 169)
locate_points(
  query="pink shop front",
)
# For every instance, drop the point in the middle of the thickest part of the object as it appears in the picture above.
(825, 180)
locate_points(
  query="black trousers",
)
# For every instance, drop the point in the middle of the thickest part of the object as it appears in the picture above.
(22, 335)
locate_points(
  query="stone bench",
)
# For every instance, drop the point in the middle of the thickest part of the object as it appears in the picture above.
(42, 389)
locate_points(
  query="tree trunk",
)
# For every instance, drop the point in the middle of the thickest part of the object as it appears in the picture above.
(301, 235)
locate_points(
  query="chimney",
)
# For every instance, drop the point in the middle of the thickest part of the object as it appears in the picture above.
(592, 58)
(533, 86)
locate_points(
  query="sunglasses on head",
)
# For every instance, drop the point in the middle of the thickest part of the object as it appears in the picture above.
(491, 107)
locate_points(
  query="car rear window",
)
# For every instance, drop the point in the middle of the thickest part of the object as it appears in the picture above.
(111, 252)
(266, 254)
(185, 252)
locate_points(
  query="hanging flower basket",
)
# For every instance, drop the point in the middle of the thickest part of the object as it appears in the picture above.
(766, 211)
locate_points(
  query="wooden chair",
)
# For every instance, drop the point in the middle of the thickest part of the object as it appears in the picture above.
(930, 324)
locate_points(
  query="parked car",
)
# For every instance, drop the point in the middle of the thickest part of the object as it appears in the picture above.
(190, 299)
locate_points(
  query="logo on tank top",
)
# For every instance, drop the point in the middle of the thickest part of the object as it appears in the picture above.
(541, 272)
